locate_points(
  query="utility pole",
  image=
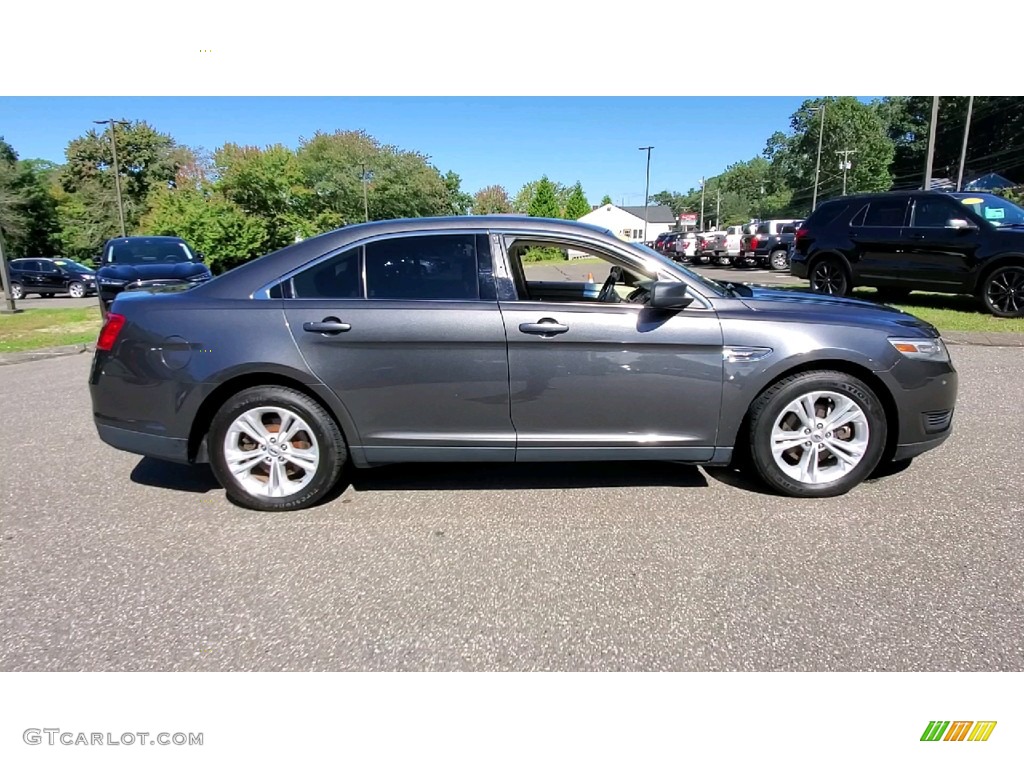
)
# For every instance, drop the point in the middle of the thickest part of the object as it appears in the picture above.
(366, 199)
(963, 152)
(701, 203)
(718, 209)
(931, 143)
(817, 165)
(647, 188)
(9, 307)
(845, 163)
(117, 171)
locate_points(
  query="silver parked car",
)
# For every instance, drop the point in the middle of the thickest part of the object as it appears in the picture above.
(429, 340)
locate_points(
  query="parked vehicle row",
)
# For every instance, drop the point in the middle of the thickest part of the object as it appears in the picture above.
(944, 242)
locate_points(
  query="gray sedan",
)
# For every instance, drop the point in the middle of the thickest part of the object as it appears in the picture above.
(425, 340)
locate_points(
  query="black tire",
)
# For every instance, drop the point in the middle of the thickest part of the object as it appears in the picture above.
(891, 295)
(76, 289)
(769, 407)
(779, 260)
(17, 291)
(333, 453)
(829, 275)
(1002, 291)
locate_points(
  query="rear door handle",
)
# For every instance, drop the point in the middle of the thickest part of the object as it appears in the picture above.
(329, 326)
(545, 327)
(917, 236)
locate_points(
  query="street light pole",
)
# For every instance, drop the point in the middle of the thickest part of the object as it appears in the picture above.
(963, 152)
(647, 189)
(931, 143)
(117, 171)
(9, 307)
(701, 203)
(817, 165)
(366, 199)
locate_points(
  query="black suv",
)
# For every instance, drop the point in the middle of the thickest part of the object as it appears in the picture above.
(48, 277)
(946, 242)
(128, 263)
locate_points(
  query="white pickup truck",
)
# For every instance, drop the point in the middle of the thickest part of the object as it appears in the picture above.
(731, 244)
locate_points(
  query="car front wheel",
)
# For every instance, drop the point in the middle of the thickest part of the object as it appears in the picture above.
(817, 434)
(828, 275)
(275, 449)
(77, 290)
(1003, 291)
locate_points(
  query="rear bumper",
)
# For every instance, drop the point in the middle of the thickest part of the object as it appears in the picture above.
(797, 268)
(154, 446)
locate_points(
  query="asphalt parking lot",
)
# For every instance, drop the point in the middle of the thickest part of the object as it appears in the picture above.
(112, 562)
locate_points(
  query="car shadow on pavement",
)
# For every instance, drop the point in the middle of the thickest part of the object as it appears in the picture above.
(747, 480)
(175, 477)
(525, 476)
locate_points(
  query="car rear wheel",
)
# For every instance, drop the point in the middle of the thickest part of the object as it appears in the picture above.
(779, 260)
(17, 291)
(817, 434)
(1003, 291)
(275, 449)
(77, 290)
(828, 275)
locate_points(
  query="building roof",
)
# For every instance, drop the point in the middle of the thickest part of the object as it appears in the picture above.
(656, 214)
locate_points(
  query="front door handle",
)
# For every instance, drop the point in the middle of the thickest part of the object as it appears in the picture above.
(917, 236)
(329, 326)
(545, 327)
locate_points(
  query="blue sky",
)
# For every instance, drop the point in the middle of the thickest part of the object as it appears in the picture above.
(499, 140)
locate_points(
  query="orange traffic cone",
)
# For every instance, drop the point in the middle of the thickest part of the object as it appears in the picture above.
(590, 277)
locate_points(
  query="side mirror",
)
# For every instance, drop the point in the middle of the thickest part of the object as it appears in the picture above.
(200, 256)
(961, 224)
(666, 294)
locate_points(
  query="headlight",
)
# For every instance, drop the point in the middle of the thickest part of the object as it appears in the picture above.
(111, 281)
(922, 349)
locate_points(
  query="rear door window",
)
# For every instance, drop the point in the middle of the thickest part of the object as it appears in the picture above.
(886, 213)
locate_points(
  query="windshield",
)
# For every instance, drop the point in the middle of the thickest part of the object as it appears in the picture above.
(714, 286)
(73, 266)
(148, 252)
(996, 210)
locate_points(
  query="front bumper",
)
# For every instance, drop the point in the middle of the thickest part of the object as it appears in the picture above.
(925, 395)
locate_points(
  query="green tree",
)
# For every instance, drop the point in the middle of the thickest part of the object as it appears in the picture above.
(606, 200)
(848, 124)
(492, 199)
(545, 200)
(28, 210)
(147, 160)
(577, 205)
(459, 202)
(210, 223)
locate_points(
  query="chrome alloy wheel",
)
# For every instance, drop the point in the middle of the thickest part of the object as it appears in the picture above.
(820, 437)
(271, 452)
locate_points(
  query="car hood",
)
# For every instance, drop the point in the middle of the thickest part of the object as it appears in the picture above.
(131, 272)
(816, 307)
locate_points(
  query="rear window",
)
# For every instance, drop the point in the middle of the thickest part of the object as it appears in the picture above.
(826, 213)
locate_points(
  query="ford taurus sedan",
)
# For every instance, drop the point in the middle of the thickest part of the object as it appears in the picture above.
(430, 340)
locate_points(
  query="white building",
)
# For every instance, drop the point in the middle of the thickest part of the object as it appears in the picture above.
(627, 222)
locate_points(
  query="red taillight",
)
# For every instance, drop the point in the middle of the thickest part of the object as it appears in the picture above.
(802, 232)
(109, 332)
(753, 242)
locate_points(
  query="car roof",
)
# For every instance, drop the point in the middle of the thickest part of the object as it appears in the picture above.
(253, 275)
(169, 238)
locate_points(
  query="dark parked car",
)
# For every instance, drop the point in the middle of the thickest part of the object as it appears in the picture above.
(48, 277)
(946, 242)
(348, 348)
(769, 245)
(129, 263)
